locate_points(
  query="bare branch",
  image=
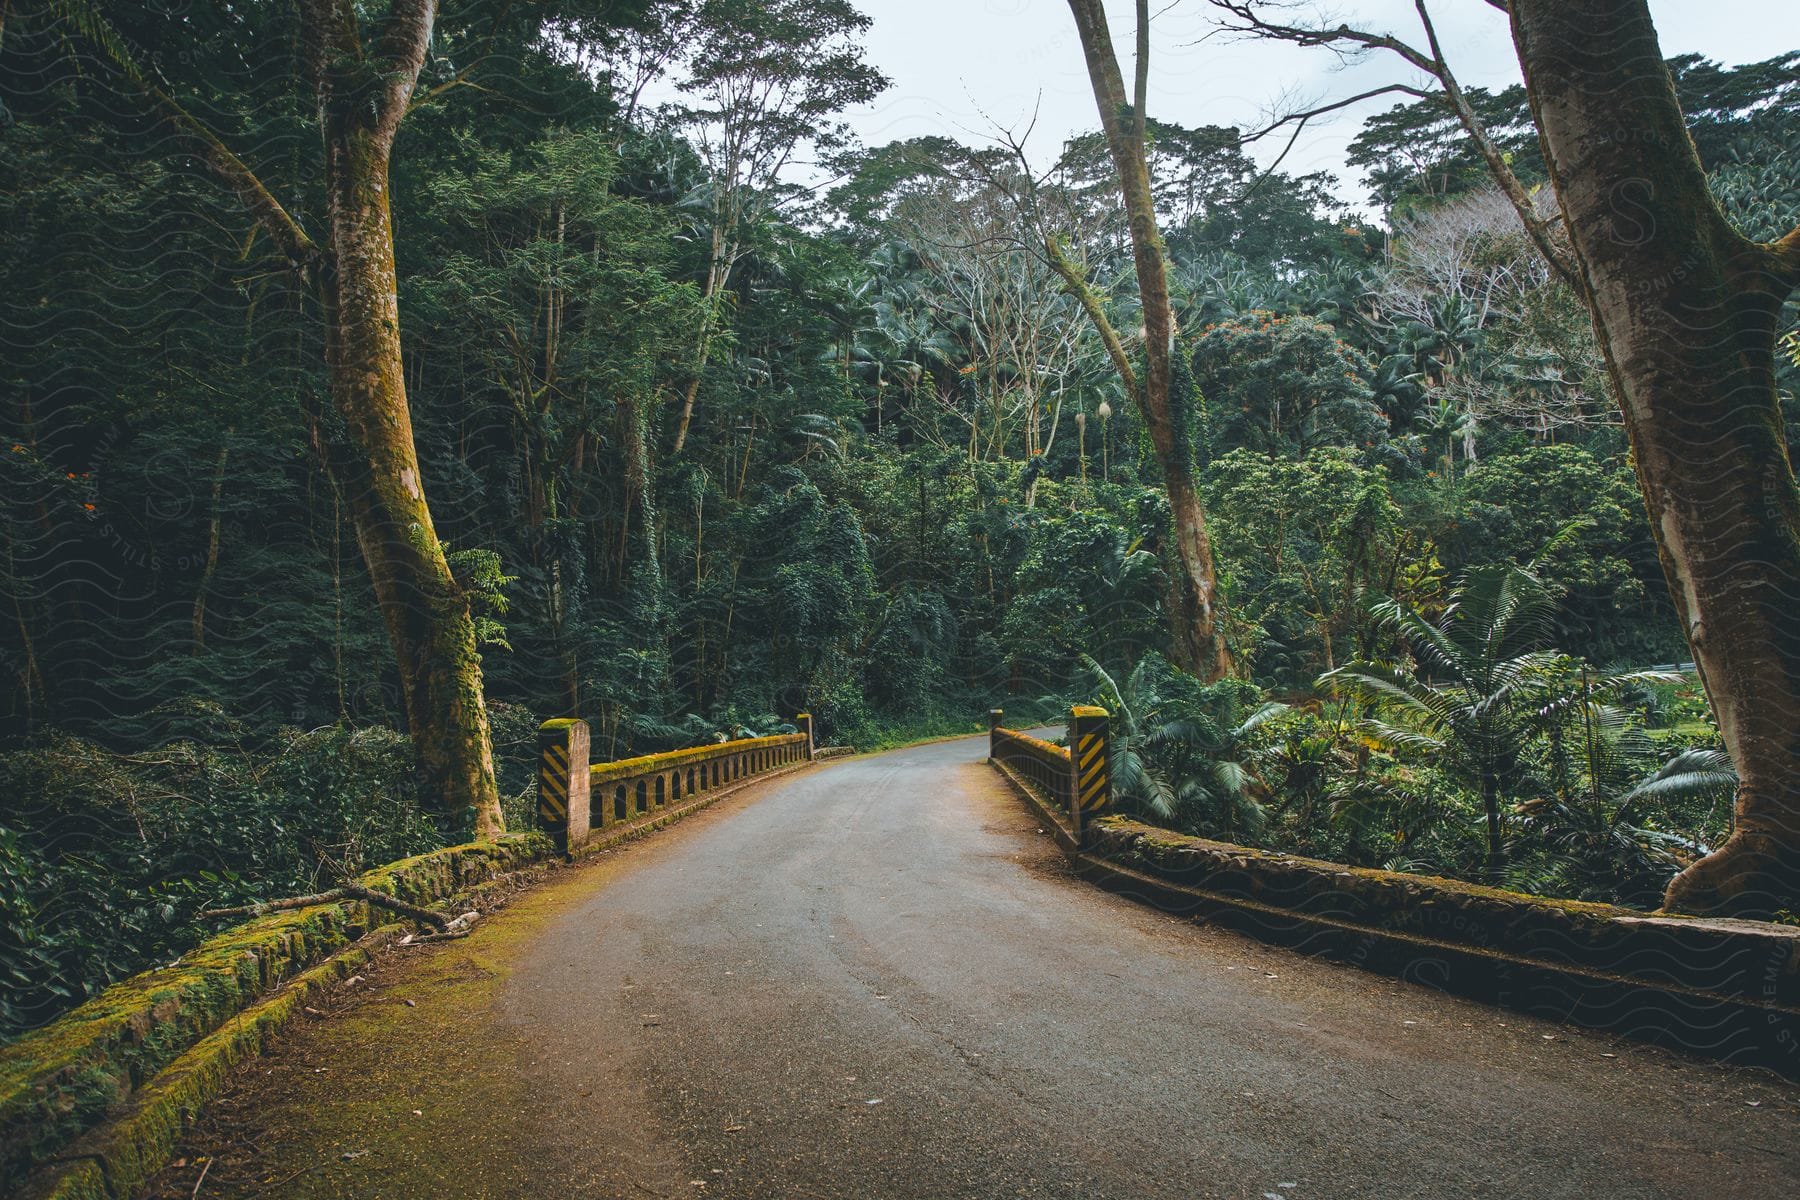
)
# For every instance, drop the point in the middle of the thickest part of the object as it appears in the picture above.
(1251, 24)
(1246, 19)
(1305, 115)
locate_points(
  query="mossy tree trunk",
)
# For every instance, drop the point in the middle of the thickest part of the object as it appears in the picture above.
(362, 95)
(1686, 311)
(1193, 600)
(363, 82)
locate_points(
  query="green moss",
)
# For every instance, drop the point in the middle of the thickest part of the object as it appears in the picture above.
(1154, 843)
(649, 764)
(62, 1079)
(120, 1158)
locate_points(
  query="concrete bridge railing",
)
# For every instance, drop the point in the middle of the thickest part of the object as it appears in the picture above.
(1076, 778)
(1720, 987)
(577, 798)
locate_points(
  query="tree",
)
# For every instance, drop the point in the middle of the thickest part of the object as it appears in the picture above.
(1686, 310)
(362, 77)
(1478, 684)
(1414, 155)
(1284, 385)
(1300, 540)
(766, 76)
(1489, 327)
(1194, 601)
(552, 292)
(1580, 518)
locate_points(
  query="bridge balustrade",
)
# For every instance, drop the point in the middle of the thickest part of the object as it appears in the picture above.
(576, 798)
(1076, 778)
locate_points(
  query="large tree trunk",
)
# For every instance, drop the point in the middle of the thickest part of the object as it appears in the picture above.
(1193, 602)
(1686, 311)
(363, 89)
(375, 462)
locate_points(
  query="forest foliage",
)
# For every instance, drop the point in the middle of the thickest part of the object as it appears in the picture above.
(711, 444)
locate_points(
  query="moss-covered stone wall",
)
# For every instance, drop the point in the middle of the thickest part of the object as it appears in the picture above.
(1718, 986)
(61, 1080)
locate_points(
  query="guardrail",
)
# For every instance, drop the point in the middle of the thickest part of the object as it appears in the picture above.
(576, 798)
(1076, 778)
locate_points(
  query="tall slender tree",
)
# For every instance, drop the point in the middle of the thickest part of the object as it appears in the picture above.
(766, 79)
(1194, 601)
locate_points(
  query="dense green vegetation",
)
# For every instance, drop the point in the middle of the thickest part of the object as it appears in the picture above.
(708, 448)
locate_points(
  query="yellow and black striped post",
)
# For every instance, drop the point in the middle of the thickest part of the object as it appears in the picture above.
(803, 723)
(1090, 788)
(563, 781)
(995, 716)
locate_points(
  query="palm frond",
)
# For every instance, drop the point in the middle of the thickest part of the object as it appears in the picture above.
(1689, 774)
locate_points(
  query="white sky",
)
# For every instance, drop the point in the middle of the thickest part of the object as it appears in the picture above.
(954, 60)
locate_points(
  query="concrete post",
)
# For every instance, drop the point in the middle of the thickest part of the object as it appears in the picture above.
(563, 781)
(994, 718)
(804, 723)
(1090, 783)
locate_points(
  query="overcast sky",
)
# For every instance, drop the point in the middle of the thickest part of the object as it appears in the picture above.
(952, 61)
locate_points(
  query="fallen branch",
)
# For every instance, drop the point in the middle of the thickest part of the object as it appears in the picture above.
(349, 891)
(458, 928)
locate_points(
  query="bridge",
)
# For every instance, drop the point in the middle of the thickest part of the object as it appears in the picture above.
(891, 976)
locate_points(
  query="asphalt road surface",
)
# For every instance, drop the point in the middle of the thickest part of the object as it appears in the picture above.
(876, 979)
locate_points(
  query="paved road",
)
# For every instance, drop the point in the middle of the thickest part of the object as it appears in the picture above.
(875, 979)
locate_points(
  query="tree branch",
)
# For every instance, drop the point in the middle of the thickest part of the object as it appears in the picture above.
(400, 55)
(460, 79)
(1254, 25)
(1496, 162)
(1076, 284)
(1305, 115)
(1433, 63)
(302, 253)
(348, 891)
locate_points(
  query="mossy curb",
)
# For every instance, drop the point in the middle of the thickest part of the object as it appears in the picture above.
(121, 1156)
(96, 1102)
(62, 1080)
(1724, 988)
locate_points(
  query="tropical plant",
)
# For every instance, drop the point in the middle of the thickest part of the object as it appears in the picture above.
(1604, 834)
(1480, 683)
(1184, 752)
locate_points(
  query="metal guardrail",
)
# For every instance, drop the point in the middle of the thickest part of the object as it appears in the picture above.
(576, 798)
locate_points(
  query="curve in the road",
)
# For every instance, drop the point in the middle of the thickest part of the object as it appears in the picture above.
(876, 979)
